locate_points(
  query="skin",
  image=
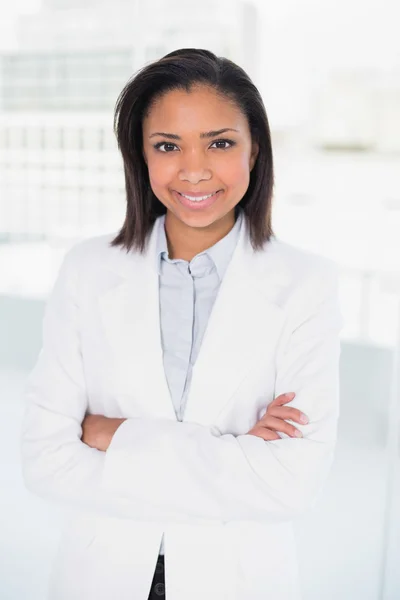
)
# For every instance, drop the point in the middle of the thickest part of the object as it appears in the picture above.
(193, 164)
(197, 164)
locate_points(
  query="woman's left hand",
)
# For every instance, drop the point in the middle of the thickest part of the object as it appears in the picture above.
(97, 430)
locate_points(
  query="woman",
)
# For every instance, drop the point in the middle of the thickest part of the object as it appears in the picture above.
(157, 409)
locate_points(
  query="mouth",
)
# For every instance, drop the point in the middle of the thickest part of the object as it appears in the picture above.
(197, 201)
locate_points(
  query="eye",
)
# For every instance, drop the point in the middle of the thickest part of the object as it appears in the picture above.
(158, 146)
(166, 145)
(231, 142)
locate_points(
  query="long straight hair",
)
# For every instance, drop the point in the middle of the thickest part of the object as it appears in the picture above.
(182, 69)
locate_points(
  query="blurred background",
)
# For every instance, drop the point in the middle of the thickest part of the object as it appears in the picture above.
(329, 74)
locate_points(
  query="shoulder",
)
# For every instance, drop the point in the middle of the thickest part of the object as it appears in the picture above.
(300, 279)
(301, 264)
(85, 262)
(312, 283)
(93, 249)
(92, 254)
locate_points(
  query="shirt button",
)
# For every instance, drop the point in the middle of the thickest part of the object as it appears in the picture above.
(159, 589)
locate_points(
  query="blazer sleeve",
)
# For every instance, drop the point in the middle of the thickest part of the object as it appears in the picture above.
(185, 467)
(157, 469)
(55, 463)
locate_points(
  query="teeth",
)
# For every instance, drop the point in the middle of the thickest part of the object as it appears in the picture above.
(199, 199)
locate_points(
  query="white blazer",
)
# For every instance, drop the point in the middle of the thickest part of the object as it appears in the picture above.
(225, 500)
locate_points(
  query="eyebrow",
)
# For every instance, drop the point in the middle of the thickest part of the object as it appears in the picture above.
(205, 134)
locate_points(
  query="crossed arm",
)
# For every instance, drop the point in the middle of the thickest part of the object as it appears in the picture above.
(156, 469)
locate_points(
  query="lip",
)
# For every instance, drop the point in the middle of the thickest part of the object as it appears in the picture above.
(197, 205)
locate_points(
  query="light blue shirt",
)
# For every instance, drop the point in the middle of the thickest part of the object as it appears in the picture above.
(187, 294)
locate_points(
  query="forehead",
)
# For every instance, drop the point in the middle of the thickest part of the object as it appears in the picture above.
(200, 107)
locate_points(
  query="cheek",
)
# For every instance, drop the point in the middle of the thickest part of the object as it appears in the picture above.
(160, 172)
(236, 174)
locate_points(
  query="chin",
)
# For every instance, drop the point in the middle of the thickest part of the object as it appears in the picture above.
(198, 220)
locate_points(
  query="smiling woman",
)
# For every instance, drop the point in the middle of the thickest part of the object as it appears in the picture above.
(195, 139)
(159, 401)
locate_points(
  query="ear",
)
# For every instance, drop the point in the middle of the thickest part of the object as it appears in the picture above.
(254, 153)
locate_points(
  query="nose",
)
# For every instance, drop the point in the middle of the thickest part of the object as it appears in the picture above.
(194, 168)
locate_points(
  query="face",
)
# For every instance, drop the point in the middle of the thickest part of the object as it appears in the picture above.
(187, 152)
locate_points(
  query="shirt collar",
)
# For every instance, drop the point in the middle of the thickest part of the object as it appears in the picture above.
(220, 253)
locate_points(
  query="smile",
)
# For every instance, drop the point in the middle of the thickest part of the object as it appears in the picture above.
(197, 202)
(197, 198)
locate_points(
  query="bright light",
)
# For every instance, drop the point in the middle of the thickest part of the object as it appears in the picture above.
(9, 16)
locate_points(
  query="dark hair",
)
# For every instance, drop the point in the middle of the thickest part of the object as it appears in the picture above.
(182, 69)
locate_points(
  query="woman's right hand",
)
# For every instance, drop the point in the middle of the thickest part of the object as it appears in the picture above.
(274, 419)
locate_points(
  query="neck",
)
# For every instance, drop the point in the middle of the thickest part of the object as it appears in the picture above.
(186, 242)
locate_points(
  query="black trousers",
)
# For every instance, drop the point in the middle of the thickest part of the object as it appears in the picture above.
(157, 590)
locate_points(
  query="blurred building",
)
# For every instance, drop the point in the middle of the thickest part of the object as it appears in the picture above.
(358, 109)
(60, 171)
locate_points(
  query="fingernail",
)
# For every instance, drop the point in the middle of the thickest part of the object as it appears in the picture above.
(304, 419)
(298, 433)
(290, 395)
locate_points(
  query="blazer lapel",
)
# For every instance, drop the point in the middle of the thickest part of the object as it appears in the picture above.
(244, 322)
(131, 320)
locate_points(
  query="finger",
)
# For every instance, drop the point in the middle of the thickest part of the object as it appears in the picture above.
(286, 412)
(282, 399)
(264, 433)
(279, 425)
